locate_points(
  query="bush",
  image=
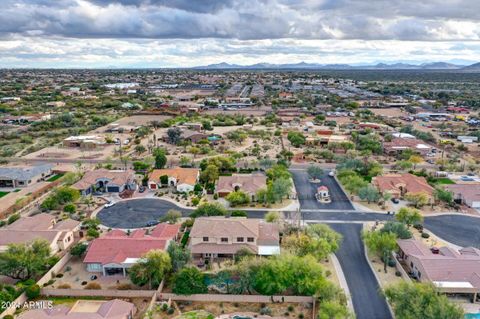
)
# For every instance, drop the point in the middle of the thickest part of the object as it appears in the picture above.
(70, 208)
(84, 283)
(33, 291)
(290, 308)
(8, 317)
(265, 311)
(13, 218)
(418, 227)
(124, 286)
(60, 275)
(64, 286)
(93, 286)
(398, 273)
(391, 263)
(170, 311)
(425, 235)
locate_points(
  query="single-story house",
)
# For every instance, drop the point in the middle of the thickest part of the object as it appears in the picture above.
(60, 234)
(468, 194)
(247, 183)
(398, 144)
(108, 181)
(400, 184)
(221, 237)
(450, 270)
(85, 309)
(117, 251)
(184, 179)
(13, 177)
(84, 141)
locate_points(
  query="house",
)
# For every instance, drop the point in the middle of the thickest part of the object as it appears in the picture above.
(60, 234)
(221, 237)
(449, 270)
(247, 183)
(106, 181)
(467, 139)
(400, 184)
(323, 195)
(84, 141)
(193, 136)
(184, 179)
(399, 144)
(468, 194)
(85, 309)
(13, 177)
(117, 251)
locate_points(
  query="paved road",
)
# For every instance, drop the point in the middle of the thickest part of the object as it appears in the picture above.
(362, 283)
(457, 229)
(306, 192)
(136, 213)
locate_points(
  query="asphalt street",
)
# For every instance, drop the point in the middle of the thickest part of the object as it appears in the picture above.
(458, 229)
(306, 192)
(368, 303)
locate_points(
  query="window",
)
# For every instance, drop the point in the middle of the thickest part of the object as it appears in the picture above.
(224, 240)
(250, 239)
(205, 238)
(240, 239)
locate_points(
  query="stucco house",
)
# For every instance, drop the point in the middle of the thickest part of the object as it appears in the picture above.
(400, 184)
(247, 183)
(106, 181)
(183, 179)
(221, 237)
(60, 234)
(13, 177)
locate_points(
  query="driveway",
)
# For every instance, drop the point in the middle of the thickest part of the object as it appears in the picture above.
(136, 213)
(306, 192)
(362, 283)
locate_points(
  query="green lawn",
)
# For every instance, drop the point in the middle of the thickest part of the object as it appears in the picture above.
(443, 181)
(3, 194)
(55, 177)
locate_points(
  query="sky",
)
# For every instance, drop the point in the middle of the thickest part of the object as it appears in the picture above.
(186, 33)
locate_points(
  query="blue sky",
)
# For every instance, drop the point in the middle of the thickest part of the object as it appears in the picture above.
(182, 33)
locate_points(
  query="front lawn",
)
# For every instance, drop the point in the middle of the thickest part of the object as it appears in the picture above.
(55, 177)
(440, 181)
(3, 194)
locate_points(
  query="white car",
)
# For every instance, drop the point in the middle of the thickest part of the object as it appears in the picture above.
(110, 204)
(331, 173)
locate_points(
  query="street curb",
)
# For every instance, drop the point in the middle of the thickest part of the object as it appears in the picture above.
(343, 281)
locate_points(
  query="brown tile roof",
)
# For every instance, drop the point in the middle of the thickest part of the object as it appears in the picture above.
(182, 175)
(117, 178)
(219, 226)
(411, 183)
(248, 183)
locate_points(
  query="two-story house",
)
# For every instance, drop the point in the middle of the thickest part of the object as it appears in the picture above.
(221, 237)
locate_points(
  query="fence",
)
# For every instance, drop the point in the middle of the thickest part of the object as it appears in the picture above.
(54, 270)
(97, 293)
(400, 269)
(235, 298)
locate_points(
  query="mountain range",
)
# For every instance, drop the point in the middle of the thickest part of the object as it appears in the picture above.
(317, 66)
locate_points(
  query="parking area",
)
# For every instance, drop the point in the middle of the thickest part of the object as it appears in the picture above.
(136, 213)
(306, 192)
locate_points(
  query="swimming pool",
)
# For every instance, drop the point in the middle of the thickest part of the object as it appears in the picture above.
(472, 316)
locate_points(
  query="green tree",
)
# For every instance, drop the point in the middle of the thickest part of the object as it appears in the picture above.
(160, 158)
(151, 269)
(421, 300)
(444, 196)
(297, 139)
(209, 174)
(78, 249)
(174, 135)
(382, 243)
(399, 229)
(417, 199)
(281, 188)
(409, 216)
(209, 209)
(172, 216)
(332, 309)
(24, 261)
(189, 281)
(369, 193)
(70, 208)
(415, 160)
(272, 217)
(179, 256)
(238, 198)
(278, 171)
(238, 213)
(139, 149)
(315, 172)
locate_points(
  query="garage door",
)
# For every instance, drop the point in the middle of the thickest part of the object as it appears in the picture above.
(113, 189)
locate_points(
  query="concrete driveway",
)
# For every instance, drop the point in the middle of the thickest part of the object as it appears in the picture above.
(306, 192)
(362, 283)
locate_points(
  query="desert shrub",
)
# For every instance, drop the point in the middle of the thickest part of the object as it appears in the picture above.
(124, 286)
(93, 286)
(33, 291)
(64, 286)
(425, 235)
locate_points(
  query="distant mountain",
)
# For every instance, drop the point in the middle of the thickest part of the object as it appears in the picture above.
(473, 67)
(316, 66)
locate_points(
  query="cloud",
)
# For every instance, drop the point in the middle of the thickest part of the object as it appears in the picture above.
(428, 20)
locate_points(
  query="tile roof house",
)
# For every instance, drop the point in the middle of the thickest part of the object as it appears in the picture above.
(60, 234)
(468, 194)
(85, 309)
(247, 183)
(398, 145)
(184, 179)
(12, 177)
(117, 251)
(400, 184)
(106, 180)
(450, 270)
(213, 237)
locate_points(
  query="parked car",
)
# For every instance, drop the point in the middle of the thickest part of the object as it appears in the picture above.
(331, 174)
(141, 189)
(109, 204)
(151, 223)
(93, 277)
(395, 200)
